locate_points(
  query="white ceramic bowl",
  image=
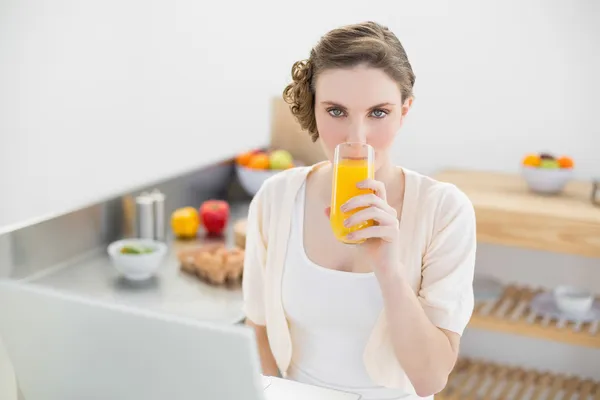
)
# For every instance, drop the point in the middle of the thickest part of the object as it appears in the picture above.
(137, 267)
(252, 179)
(546, 181)
(572, 300)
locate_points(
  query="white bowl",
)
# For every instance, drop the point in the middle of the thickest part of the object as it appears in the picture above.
(137, 267)
(572, 300)
(545, 180)
(252, 179)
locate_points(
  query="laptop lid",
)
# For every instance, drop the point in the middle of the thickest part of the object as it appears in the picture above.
(67, 347)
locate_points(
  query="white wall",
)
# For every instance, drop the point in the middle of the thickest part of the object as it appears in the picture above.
(496, 80)
(98, 97)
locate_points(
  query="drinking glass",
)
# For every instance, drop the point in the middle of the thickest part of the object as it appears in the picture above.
(352, 163)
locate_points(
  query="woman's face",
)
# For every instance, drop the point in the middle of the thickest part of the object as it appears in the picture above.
(359, 104)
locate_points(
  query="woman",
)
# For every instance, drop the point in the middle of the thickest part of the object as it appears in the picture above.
(382, 318)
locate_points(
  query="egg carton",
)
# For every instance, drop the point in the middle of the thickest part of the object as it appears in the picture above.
(214, 263)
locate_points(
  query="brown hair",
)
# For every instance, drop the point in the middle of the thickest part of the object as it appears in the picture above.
(366, 43)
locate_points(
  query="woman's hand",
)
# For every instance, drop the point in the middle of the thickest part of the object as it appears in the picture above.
(382, 240)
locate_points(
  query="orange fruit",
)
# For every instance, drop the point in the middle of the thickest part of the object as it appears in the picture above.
(565, 162)
(244, 158)
(259, 161)
(532, 160)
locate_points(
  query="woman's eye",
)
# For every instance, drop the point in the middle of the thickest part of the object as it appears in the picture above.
(379, 113)
(335, 112)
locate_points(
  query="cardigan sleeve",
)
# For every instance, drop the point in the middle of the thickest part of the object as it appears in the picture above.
(446, 292)
(253, 286)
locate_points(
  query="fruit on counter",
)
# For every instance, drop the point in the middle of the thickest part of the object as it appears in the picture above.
(185, 222)
(214, 215)
(259, 160)
(547, 161)
(280, 159)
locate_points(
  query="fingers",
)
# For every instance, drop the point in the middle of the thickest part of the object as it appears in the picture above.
(376, 186)
(368, 200)
(371, 213)
(386, 233)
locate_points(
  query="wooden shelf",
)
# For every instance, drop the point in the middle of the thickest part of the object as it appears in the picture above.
(473, 379)
(509, 214)
(510, 313)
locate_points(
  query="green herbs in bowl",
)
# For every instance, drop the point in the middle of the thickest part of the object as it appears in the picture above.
(137, 259)
(137, 249)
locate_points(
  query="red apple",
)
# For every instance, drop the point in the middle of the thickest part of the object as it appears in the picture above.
(214, 215)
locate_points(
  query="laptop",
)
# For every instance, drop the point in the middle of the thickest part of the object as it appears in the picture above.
(65, 347)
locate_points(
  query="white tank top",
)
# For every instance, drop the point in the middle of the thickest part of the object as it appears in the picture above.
(331, 315)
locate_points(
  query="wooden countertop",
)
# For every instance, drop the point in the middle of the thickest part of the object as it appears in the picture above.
(509, 214)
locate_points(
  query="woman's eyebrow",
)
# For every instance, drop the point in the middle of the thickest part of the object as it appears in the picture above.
(333, 103)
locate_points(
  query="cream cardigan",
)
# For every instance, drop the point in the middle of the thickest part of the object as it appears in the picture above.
(437, 230)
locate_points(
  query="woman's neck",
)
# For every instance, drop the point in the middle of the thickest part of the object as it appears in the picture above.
(388, 174)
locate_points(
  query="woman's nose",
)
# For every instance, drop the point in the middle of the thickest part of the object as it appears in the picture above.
(357, 133)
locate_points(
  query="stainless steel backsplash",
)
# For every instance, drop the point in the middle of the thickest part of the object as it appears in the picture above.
(34, 248)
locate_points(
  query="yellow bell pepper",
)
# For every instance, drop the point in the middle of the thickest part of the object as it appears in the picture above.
(185, 222)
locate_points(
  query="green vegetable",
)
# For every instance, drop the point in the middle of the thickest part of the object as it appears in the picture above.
(133, 249)
(549, 164)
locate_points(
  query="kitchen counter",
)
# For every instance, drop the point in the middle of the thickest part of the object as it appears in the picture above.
(172, 290)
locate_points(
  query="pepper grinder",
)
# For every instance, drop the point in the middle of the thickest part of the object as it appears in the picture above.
(144, 216)
(150, 216)
(158, 213)
(596, 192)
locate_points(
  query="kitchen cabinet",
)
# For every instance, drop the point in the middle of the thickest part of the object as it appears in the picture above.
(510, 313)
(482, 380)
(509, 214)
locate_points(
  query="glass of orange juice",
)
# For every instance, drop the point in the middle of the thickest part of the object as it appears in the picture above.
(352, 163)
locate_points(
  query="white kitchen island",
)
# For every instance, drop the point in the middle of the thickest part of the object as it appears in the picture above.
(172, 290)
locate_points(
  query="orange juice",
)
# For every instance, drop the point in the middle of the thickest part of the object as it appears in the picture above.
(346, 174)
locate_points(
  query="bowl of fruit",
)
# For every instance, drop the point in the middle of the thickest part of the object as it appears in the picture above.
(545, 173)
(254, 167)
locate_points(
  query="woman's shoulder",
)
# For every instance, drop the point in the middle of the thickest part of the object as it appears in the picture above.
(429, 192)
(439, 206)
(282, 184)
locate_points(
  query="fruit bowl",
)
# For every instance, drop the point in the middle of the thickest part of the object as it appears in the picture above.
(546, 174)
(253, 168)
